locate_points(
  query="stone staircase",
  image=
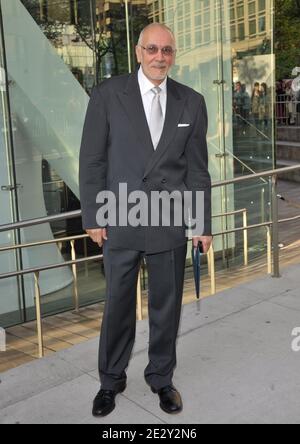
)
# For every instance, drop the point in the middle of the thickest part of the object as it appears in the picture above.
(288, 150)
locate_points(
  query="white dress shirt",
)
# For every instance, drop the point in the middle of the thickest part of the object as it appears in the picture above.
(147, 94)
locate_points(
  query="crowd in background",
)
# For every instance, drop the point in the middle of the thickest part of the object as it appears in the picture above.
(254, 108)
(287, 103)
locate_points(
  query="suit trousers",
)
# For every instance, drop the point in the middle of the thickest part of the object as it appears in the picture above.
(166, 280)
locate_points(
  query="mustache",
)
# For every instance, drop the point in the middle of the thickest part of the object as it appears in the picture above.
(158, 66)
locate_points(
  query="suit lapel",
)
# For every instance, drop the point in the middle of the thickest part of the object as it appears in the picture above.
(175, 106)
(132, 102)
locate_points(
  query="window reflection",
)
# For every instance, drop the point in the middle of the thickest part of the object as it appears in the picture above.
(90, 35)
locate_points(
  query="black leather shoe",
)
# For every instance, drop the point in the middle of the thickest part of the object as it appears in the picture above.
(104, 403)
(170, 399)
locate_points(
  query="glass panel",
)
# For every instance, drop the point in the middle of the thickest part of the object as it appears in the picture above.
(56, 51)
(240, 139)
(139, 17)
(113, 57)
(261, 5)
(69, 27)
(240, 11)
(252, 8)
(199, 65)
(252, 119)
(10, 294)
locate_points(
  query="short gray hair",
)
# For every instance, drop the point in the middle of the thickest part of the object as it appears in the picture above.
(155, 25)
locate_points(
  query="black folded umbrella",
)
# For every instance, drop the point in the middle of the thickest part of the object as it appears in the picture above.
(196, 256)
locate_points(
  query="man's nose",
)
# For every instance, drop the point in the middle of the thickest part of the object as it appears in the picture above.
(160, 55)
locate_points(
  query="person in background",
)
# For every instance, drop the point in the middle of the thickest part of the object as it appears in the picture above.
(291, 103)
(238, 98)
(265, 106)
(280, 102)
(255, 103)
(246, 107)
(238, 104)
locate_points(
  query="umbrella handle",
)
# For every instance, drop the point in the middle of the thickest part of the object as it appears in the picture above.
(200, 246)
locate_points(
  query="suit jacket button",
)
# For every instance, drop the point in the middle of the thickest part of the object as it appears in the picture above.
(164, 181)
(145, 179)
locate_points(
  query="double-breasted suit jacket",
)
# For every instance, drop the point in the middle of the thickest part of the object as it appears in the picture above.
(117, 148)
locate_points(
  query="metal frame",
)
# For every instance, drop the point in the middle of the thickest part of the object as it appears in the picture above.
(282, 103)
(272, 245)
(12, 186)
(245, 225)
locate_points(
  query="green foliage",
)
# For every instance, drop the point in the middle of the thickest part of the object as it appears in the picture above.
(287, 36)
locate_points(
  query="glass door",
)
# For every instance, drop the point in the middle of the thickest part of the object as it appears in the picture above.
(56, 52)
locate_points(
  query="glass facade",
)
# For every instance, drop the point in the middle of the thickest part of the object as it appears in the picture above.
(53, 52)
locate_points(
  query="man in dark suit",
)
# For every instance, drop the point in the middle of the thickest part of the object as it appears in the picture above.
(147, 131)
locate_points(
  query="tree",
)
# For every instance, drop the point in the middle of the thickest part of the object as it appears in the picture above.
(85, 30)
(287, 36)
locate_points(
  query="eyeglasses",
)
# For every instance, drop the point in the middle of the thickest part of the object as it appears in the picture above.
(153, 50)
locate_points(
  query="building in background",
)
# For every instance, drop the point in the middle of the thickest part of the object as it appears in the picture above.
(52, 53)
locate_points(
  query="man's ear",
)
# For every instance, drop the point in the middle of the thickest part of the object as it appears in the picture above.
(138, 53)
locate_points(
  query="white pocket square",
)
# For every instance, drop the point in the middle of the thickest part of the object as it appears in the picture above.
(183, 125)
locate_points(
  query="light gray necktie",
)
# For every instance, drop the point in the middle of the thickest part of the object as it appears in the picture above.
(156, 123)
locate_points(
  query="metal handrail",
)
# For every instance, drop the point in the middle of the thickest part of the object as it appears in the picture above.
(77, 213)
(269, 173)
(211, 260)
(283, 110)
(91, 258)
(48, 267)
(244, 211)
(48, 242)
(40, 221)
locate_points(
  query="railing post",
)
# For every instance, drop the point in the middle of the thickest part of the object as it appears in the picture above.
(269, 250)
(209, 263)
(38, 314)
(74, 270)
(211, 252)
(263, 213)
(139, 298)
(85, 255)
(245, 225)
(275, 229)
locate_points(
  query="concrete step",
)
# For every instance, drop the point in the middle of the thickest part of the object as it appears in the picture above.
(293, 176)
(288, 133)
(288, 150)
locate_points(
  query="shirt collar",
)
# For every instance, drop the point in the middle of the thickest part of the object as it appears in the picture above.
(146, 85)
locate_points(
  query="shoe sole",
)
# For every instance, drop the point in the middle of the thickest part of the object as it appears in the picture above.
(175, 412)
(107, 412)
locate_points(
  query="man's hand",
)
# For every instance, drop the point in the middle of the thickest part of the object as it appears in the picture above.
(98, 235)
(206, 242)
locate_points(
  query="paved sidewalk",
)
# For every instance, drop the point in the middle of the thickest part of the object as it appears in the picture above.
(235, 365)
